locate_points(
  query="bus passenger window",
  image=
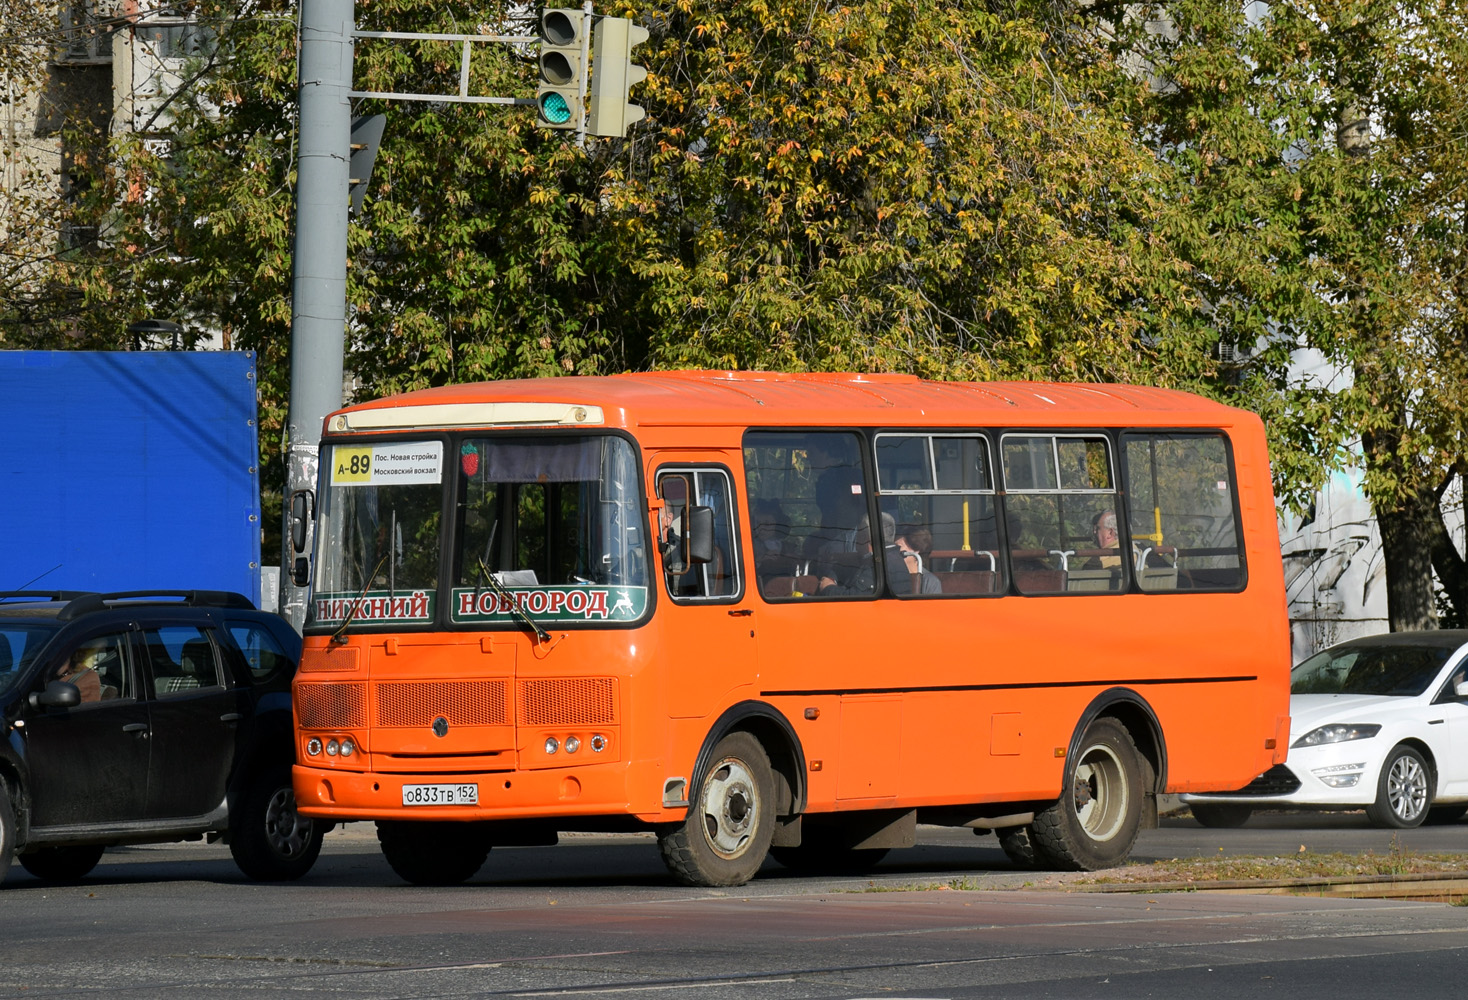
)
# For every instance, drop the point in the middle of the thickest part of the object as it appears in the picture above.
(939, 488)
(684, 492)
(807, 498)
(1184, 532)
(1061, 507)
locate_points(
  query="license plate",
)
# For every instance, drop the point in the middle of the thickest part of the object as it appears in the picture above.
(440, 795)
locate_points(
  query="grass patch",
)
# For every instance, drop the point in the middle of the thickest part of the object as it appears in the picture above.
(1305, 864)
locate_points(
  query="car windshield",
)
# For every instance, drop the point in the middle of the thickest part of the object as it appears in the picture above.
(19, 645)
(1397, 670)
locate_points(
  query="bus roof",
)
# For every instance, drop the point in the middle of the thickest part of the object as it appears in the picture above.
(752, 398)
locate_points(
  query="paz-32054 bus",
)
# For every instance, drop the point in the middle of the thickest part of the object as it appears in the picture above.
(790, 615)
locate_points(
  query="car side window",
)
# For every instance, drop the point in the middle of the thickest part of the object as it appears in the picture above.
(99, 668)
(263, 653)
(181, 658)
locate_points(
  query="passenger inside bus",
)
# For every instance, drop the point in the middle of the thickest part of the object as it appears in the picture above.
(863, 580)
(1103, 527)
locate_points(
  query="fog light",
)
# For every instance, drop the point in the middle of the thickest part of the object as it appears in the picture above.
(1340, 775)
(313, 746)
(598, 743)
(332, 749)
(572, 744)
(551, 745)
(348, 748)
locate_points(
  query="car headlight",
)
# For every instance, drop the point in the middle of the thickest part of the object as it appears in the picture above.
(1341, 732)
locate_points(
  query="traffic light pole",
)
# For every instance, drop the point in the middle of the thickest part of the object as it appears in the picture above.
(323, 183)
(319, 276)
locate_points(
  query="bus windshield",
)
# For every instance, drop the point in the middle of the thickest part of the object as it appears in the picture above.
(549, 527)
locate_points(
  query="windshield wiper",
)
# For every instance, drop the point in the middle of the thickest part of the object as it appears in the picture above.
(338, 635)
(504, 594)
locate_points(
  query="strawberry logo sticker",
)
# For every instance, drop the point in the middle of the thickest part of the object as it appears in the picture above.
(469, 459)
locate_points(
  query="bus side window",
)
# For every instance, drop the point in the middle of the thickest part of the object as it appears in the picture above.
(940, 490)
(1184, 530)
(690, 495)
(1062, 513)
(808, 502)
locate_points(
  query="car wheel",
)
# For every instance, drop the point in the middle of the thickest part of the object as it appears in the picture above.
(270, 840)
(433, 853)
(7, 831)
(1221, 815)
(1094, 823)
(1442, 815)
(1403, 792)
(726, 835)
(62, 864)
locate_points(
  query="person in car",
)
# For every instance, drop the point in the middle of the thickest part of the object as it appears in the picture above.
(81, 670)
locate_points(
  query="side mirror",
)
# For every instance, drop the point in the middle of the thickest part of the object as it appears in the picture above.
(699, 535)
(58, 694)
(303, 509)
(301, 571)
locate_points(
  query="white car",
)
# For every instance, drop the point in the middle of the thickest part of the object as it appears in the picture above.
(1378, 723)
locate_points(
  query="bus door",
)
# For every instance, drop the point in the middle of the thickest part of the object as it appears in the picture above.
(706, 619)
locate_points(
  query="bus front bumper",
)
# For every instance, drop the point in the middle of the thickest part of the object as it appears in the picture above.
(603, 790)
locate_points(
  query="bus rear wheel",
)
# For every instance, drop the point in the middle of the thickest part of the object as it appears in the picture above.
(433, 853)
(1018, 845)
(1095, 821)
(726, 835)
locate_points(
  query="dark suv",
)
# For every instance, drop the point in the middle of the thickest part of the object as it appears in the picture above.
(144, 718)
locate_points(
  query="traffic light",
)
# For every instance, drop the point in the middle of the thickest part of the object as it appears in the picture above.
(558, 100)
(613, 74)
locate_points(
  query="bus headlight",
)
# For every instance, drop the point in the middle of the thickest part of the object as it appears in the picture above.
(313, 746)
(551, 745)
(333, 748)
(348, 747)
(598, 743)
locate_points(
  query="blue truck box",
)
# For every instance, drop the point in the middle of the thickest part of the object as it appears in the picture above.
(130, 470)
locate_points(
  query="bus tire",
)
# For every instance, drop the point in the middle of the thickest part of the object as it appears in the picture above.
(62, 864)
(268, 839)
(731, 820)
(1018, 845)
(428, 853)
(1094, 823)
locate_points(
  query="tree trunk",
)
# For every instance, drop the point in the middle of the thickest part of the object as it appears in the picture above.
(1452, 570)
(1407, 535)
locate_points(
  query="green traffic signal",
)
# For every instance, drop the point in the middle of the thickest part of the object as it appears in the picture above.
(553, 108)
(559, 97)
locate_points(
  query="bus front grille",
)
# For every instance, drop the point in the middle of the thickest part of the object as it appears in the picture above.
(331, 706)
(406, 704)
(576, 701)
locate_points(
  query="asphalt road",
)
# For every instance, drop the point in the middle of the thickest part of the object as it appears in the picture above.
(598, 917)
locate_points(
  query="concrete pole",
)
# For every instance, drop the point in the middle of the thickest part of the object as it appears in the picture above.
(319, 297)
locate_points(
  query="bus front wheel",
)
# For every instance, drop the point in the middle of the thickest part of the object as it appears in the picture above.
(1095, 821)
(731, 820)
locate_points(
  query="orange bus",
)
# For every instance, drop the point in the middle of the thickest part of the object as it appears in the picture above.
(790, 615)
